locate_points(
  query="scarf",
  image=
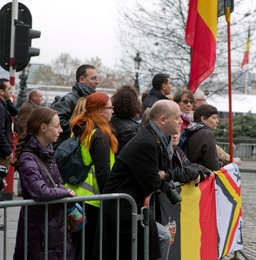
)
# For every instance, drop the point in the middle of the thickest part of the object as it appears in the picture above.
(165, 140)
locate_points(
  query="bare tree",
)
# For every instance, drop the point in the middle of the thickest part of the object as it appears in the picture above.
(64, 68)
(62, 72)
(156, 29)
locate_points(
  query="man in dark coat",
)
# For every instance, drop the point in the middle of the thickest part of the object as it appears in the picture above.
(86, 83)
(161, 87)
(7, 110)
(139, 170)
(35, 98)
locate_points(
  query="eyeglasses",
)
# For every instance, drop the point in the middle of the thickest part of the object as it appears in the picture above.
(201, 99)
(112, 107)
(187, 101)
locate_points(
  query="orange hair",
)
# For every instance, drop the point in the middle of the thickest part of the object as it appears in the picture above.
(92, 118)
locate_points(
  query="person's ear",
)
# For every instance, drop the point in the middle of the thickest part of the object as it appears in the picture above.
(202, 118)
(43, 127)
(162, 120)
(100, 112)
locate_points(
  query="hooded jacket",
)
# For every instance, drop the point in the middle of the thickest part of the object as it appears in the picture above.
(36, 185)
(201, 146)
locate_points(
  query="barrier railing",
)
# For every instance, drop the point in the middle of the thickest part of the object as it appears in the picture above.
(245, 151)
(135, 218)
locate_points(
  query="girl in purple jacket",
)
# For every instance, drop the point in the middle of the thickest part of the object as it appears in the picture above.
(43, 128)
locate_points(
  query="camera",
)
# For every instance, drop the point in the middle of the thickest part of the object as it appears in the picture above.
(169, 188)
(3, 174)
(3, 171)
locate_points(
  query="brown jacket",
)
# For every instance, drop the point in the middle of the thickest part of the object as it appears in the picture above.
(24, 112)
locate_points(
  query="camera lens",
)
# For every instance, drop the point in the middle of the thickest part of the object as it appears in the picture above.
(174, 197)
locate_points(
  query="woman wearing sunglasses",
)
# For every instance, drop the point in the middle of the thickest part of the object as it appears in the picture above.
(185, 100)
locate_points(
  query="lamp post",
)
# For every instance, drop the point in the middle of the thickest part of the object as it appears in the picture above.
(137, 61)
(22, 97)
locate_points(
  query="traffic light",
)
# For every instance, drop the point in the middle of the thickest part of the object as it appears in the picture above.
(23, 50)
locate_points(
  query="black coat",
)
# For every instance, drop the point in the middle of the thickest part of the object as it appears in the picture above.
(125, 129)
(135, 172)
(154, 95)
(7, 109)
(182, 169)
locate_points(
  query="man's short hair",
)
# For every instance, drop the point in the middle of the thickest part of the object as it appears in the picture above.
(81, 71)
(198, 94)
(32, 93)
(205, 111)
(160, 79)
(2, 83)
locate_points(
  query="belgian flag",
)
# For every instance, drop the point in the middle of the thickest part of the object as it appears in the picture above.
(207, 224)
(247, 49)
(201, 36)
(192, 224)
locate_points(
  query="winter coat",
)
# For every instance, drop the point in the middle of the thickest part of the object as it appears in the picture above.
(182, 169)
(135, 172)
(36, 185)
(154, 95)
(201, 146)
(24, 112)
(65, 107)
(5, 129)
(125, 129)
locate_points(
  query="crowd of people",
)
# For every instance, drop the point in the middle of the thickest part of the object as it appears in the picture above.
(132, 145)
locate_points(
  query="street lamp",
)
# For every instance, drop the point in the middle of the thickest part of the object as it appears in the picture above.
(22, 97)
(137, 61)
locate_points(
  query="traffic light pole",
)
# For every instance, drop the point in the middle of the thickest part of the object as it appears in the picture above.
(7, 194)
(12, 42)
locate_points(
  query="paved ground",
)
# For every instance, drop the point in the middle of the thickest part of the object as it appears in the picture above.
(248, 178)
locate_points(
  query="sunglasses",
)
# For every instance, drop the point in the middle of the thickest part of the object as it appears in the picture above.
(187, 101)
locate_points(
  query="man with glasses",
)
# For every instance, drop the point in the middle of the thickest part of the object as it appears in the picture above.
(140, 169)
(86, 83)
(199, 99)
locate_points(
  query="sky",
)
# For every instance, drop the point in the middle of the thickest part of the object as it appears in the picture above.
(84, 29)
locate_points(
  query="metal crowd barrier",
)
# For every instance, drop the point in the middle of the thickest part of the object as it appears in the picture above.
(245, 151)
(142, 217)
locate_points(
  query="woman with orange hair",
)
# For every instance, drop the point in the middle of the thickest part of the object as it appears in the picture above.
(98, 145)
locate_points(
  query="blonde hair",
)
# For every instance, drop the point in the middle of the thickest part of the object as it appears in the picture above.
(79, 108)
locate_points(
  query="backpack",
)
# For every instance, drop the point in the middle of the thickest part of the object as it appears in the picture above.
(70, 163)
(59, 99)
(183, 141)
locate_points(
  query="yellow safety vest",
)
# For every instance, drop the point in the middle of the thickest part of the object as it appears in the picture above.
(89, 186)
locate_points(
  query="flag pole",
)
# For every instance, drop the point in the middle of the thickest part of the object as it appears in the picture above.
(227, 15)
(246, 81)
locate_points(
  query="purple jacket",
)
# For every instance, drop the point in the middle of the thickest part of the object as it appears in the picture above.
(36, 185)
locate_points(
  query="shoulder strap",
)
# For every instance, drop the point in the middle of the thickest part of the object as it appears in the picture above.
(44, 167)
